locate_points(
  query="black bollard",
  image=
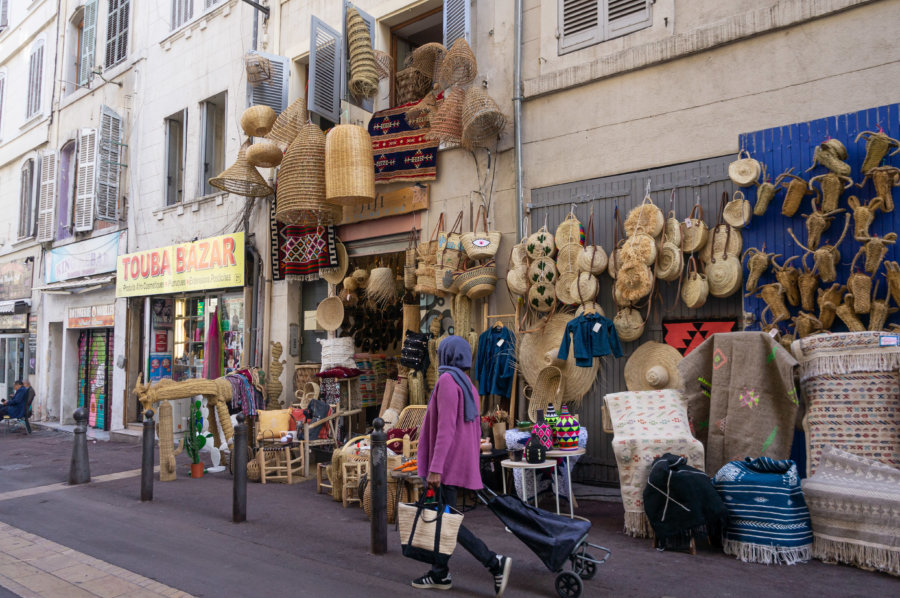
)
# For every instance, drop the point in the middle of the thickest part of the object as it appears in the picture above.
(80, 467)
(239, 458)
(378, 480)
(147, 457)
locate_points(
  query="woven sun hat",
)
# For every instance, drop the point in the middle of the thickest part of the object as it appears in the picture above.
(264, 154)
(540, 244)
(350, 284)
(330, 313)
(338, 274)
(349, 166)
(744, 171)
(653, 366)
(381, 286)
(564, 288)
(288, 123)
(300, 197)
(257, 121)
(542, 270)
(361, 277)
(539, 348)
(241, 178)
(592, 260)
(363, 82)
(446, 125)
(569, 231)
(458, 66)
(634, 281)
(482, 121)
(567, 258)
(645, 218)
(639, 248)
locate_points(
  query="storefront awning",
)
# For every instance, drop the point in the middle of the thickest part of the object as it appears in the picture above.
(16, 306)
(79, 285)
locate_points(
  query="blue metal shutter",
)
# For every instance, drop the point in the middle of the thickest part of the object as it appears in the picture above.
(274, 92)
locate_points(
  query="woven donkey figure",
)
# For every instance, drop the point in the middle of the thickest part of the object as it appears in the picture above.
(832, 186)
(788, 276)
(826, 257)
(817, 222)
(773, 295)
(757, 265)
(877, 147)
(860, 286)
(880, 310)
(883, 178)
(876, 248)
(863, 216)
(828, 300)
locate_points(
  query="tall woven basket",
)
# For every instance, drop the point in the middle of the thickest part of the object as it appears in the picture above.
(363, 68)
(446, 123)
(349, 167)
(301, 182)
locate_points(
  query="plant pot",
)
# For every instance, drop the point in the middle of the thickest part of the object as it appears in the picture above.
(197, 470)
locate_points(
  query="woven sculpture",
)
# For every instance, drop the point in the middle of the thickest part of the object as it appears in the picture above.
(482, 121)
(274, 387)
(349, 167)
(361, 58)
(288, 123)
(301, 182)
(877, 147)
(242, 179)
(647, 425)
(427, 59)
(384, 64)
(167, 453)
(258, 68)
(458, 66)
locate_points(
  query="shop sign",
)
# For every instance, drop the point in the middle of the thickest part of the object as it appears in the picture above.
(15, 279)
(213, 263)
(85, 258)
(13, 321)
(402, 201)
(92, 316)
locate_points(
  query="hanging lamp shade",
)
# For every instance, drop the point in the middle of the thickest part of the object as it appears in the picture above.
(482, 121)
(301, 182)
(349, 166)
(288, 123)
(257, 121)
(242, 179)
(264, 154)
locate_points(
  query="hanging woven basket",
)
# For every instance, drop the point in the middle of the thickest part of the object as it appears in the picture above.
(695, 231)
(288, 123)
(629, 324)
(257, 121)
(446, 125)
(695, 288)
(459, 66)
(645, 218)
(301, 182)
(639, 248)
(724, 276)
(363, 81)
(517, 281)
(242, 179)
(564, 288)
(592, 259)
(482, 121)
(737, 211)
(542, 297)
(585, 288)
(427, 59)
(542, 270)
(670, 263)
(634, 281)
(540, 244)
(672, 230)
(724, 240)
(567, 258)
(381, 286)
(349, 167)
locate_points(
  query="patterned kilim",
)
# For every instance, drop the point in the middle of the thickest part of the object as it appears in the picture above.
(854, 503)
(303, 251)
(768, 521)
(647, 425)
(853, 398)
(400, 148)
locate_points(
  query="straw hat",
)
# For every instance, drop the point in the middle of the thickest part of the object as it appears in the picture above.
(350, 284)
(361, 277)
(257, 121)
(242, 179)
(548, 388)
(338, 275)
(458, 66)
(482, 121)
(744, 171)
(264, 154)
(653, 366)
(330, 313)
(537, 350)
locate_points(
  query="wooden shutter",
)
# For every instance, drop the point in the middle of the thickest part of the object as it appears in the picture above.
(117, 31)
(4, 13)
(625, 16)
(274, 92)
(366, 104)
(35, 72)
(108, 164)
(47, 197)
(579, 24)
(324, 71)
(457, 21)
(88, 42)
(85, 179)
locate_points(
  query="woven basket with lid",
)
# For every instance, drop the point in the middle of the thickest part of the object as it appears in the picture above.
(349, 166)
(301, 182)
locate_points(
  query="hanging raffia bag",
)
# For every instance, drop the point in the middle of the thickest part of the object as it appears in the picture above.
(517, 281)
(695, 231)
(479, 281)
(737, 211)
(724, 240)
(592, 258)
(567, 258)
(428, 250)
(445, 279)
(481, 245)
(449, 252)
(670, 262)
(672, 230)
(585, 288)
(629, 324)
(724, 276)
(518, 255)
(695, 288)
(425, 282)
(645, 218)
(542, 270)
(564, 288)
(640, 247)
(634, 281)
(744, 171)
(542, 297)
(569, 231)
(540, 244)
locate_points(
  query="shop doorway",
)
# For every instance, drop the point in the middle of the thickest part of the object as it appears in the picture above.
(95, 351)
(14, 357)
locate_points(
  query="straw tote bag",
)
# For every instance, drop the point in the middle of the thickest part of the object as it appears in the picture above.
(695, 289)
(540, 244)
(672, 230)
(449, 252)
(427, 533)
(629, 324)
(670, 262)
(592, 258)
(645, 218)
(695, 232)
(737, 211)
(481, 245)
(428, 250)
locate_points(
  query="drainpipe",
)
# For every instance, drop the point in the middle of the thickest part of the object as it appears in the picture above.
(255, 27)
(517, 119)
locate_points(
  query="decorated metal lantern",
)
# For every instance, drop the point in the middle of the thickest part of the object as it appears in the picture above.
(566, 431)
(543, 430)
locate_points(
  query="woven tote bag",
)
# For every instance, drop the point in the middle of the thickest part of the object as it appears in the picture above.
(695, 231)
(427, 533)
(481, 245)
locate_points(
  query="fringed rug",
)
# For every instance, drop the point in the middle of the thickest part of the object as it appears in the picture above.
(853, 396)
(854, 503)
(768, 521)
(647, 425)
(400, 148)
(303, 252)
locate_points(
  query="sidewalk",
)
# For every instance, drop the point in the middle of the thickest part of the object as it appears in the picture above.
(300, 543)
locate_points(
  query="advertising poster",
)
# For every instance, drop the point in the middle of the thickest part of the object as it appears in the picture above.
(160, 366)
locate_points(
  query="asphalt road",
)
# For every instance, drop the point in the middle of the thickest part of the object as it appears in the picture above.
(299, 543)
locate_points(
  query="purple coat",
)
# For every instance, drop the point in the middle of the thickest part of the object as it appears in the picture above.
(448, 444)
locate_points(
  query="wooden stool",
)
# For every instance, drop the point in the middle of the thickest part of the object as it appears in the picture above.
(353, 471)
(285, 466)
(322, 479)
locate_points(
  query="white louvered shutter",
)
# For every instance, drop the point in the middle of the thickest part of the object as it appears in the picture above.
(2, 97)
(4, 13)
(117, 31)
(86, 179)
(108, 164)
(35, 76)
(47, 197)
(367, 104)
(457, 21)
(325, 50)
(579, 23)
(625, 16)
(274, 92)
(88, 42)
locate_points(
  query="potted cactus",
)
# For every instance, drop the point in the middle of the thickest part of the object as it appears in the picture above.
(195, 439)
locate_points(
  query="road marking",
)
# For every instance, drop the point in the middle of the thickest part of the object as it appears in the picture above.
(109, 477)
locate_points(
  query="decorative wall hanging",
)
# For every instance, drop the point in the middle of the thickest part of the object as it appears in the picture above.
(877, 147)
(832, 186)
(402, 150)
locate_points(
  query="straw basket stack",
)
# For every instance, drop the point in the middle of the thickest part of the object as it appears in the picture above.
(349, 167)
(301, 182)
(363, 68)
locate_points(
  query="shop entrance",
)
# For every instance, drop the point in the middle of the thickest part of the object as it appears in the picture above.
(95, 351)
(14, 357)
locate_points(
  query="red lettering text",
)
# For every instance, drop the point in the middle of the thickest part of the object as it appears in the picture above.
(228, 251)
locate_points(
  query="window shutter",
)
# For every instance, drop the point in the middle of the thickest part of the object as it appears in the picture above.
(47, 197)
(4, 13)
(625, 16)
(274, 92)
(579, 24)
(86, 179)
(367, 104)
(457, 21)
(88, 42)
(117, 31)
(324, 71)
(2, 92)
(35, 71)
(108, 168)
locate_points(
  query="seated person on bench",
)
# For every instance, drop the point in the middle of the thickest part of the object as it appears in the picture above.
(15, 407)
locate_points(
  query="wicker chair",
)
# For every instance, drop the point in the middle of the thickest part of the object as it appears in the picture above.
(353, 467)
(412, 416)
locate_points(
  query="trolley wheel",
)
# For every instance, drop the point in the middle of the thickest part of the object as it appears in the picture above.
(584, 568)
(568, 585)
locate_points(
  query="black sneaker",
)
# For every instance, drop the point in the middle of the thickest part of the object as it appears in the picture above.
(500, 571)
(430, 581)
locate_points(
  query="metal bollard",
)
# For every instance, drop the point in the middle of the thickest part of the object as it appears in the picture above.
(378, 480)
(80, 466)
(239, 458)
(147, 457)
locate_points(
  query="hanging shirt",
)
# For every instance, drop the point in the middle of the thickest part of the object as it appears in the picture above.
(495, 361)
(593, 336)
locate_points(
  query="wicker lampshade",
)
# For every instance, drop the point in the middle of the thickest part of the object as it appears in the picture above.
(482, 120)
(427, 58)
(242, 179)
(349, 166)
(257, 121)
(288, 123)
(301, 182)
(458, 66)
(446, 124)
(264, 154)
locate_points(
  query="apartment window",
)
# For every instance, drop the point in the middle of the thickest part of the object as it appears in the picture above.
(4, 14)
(26, 200)
(117, 32)
(35, 77)
(182, 12)
(213, 141)
(86, 180)
(66, 190)
(109, 164)
(87, 42)
(211, 3)
(175, 126)
(584, 23)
